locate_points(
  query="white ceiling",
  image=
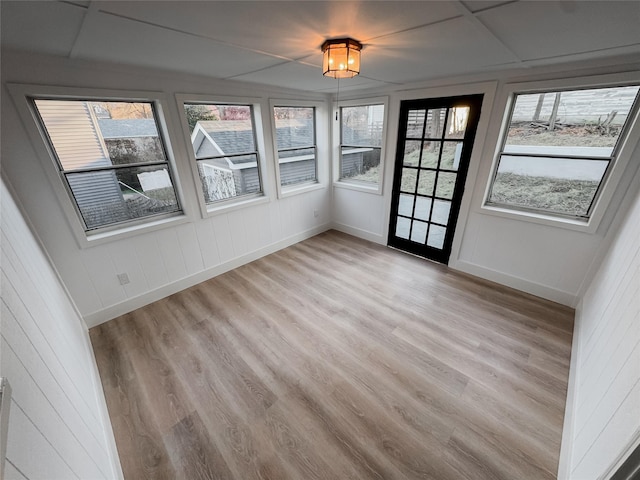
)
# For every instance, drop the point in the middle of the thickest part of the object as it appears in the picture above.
(278, 42)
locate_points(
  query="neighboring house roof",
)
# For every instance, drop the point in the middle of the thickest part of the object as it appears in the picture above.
(127, 128)
(236, 136)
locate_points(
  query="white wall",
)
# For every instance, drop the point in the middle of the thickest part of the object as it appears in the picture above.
(603, 405)
(58, 427)
(545, 260)
(167, 260)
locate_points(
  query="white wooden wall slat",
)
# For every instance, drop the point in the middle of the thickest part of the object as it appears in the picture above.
(606, 415)
(56, 428)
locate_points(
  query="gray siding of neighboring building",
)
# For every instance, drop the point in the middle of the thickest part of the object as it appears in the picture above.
(71, 127)
(297, 172)
(352, 164)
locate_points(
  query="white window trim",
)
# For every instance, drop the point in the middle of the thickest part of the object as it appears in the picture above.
(322, 146)
(609, 183)
(21, 93)
(242, 201)
(354, 184)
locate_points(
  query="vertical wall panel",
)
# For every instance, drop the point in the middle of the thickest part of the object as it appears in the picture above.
(606, 409)
(56, 427)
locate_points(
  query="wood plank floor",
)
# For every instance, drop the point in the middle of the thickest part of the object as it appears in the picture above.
(338, 359)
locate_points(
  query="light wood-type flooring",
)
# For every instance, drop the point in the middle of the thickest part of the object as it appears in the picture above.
(337, 358)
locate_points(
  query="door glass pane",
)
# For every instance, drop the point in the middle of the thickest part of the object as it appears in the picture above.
(441, 209)
(419, 232)
(436, 236)
(411, 153)
(405, 204)
(415, 123)
(430, 154)
(446, 183)
(402, 227)
(435, 123)
(451, 152)
(408, 183)
(426, 182)
(423, 208)
(457, 122)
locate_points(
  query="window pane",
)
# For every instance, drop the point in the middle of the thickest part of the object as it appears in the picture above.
(446, 183)
(114, 196)
(457, 122)
(426, 182)
(408, 180)
(559, 185)
(430, 154)
(360, 163)
(415, 123)
(402, 227)
(297, 166)
(405, 205)
(451, 152)
(226, 177)
(435, 123)
(87, 135)
(419, 232)
(294, 127)
(583, 118)
(218, 130)
(441, 209)
(411, 153)
(362, 125)
(93, 134)
(436, 236)
(558, 147)
(423, 208)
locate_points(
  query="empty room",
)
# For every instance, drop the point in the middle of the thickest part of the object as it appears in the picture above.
(296, 240)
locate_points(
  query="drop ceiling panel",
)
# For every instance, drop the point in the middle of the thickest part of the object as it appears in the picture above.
(115, 39)
(449, 48)
(478, 5)
(291, 29)
(48, 27)
(536, 30)
(304, 77)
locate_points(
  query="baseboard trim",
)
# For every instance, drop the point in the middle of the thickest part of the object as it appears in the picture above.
(360, 233)
(548, 293)
(102, 316)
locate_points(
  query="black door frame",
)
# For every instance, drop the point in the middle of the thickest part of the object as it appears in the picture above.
(475, 104)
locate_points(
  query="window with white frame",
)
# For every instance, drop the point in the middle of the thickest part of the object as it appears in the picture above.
(558, 148)
(111, 157)
(295, 139)
(361, 138)
(223, 139)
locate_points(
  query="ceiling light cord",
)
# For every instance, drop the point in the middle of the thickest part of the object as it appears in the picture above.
(338, 100)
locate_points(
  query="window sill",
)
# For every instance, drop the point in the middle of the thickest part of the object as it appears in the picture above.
(292, 190)
(373, 188)
(92, 239)
(586, 226)
(233, 204)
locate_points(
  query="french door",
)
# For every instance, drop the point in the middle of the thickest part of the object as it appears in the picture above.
(435, 137)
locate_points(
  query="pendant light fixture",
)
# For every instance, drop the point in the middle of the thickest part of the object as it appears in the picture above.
(341, 58)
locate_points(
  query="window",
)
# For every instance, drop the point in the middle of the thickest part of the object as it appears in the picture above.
(112, 159)
(361, 137)
(559, 147)
(223, 138)
(296, 144)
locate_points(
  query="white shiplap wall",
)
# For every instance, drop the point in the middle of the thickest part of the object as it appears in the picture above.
(58, 427)
(606, 388)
